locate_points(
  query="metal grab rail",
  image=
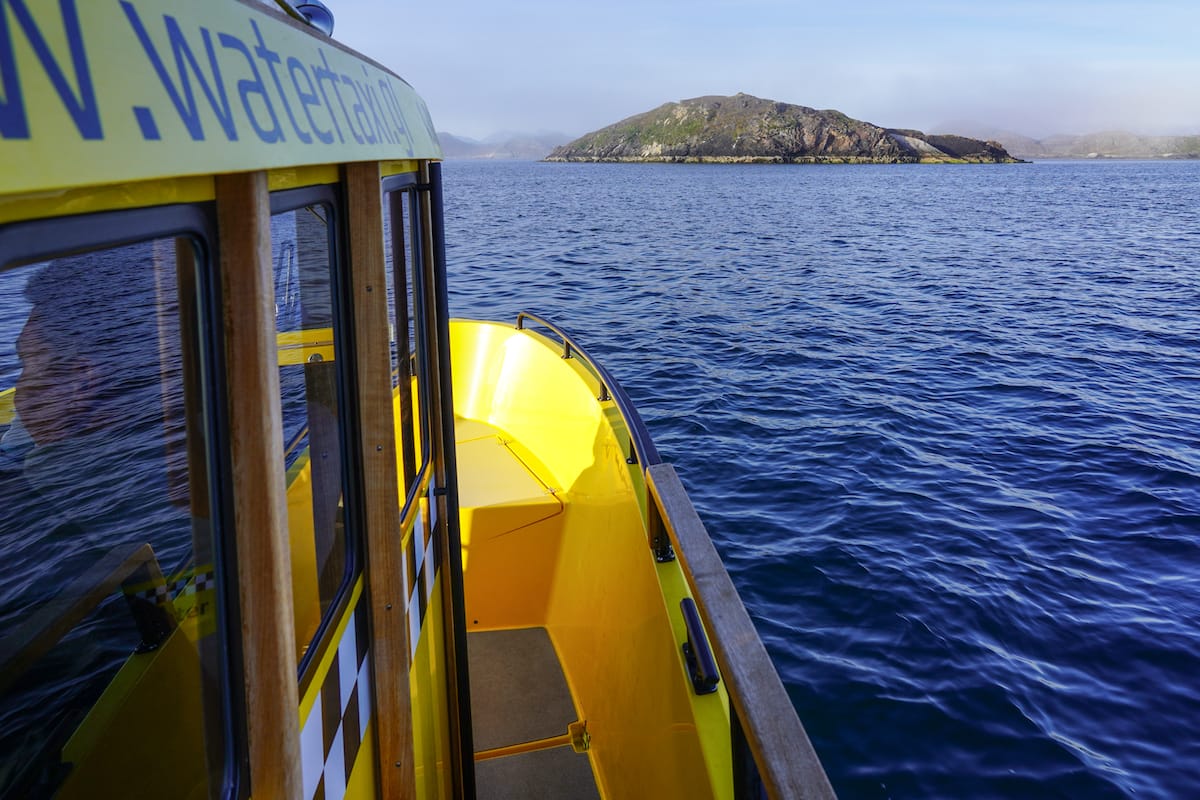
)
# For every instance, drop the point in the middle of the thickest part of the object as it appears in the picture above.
(763, 720)
(642, 449)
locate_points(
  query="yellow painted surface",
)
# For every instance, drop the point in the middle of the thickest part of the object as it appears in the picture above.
(389, 168)
(427, 679)
(362, 784)
(159, 692)
(105, 93)
(6, 406)
(300, 347)
(587, 573)
(502, 379)
(294, 177)
(165, 191)
(511, 525)
(305, 588)
(497, 479)
(711, 710)
(87, 200)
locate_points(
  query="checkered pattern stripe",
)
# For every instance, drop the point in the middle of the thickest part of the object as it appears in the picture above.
(334, 730)
(187, 584)
(423, 560)
(332, 734)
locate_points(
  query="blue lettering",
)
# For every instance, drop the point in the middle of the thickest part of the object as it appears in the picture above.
(360, 112)
(186, 105)
(248, 87)
(429, 129)
(390, 111)
(83, 108)
(308, 98)
(323, 75)
(272, 58)
(393, 102)
(13, 122)
(373, 106)
(145, 121)
(332, 77)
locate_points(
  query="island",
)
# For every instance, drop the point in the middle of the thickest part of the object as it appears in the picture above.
(748, 129)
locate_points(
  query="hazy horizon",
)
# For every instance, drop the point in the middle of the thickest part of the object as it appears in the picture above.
(1016, 65)
(963, 127)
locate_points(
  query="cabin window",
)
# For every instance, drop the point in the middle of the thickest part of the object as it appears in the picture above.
(306, 330)
(406, 320)
(111, 664)
(410, 299)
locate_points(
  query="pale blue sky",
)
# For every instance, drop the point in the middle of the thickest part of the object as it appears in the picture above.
(1035, 67)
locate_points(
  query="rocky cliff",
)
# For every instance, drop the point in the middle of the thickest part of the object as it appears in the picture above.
(743, 128)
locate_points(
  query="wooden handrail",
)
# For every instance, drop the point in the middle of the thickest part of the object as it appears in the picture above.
(787, 763)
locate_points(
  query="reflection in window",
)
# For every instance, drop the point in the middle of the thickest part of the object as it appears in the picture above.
(304, 320)
(411, 372)
(403, 255)
(109, 662)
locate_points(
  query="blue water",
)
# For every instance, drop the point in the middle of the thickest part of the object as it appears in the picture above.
(942, 423)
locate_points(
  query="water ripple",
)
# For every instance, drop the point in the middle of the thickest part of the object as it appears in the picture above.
(942, 424)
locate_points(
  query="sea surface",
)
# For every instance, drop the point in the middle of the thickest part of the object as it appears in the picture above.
(942, 422)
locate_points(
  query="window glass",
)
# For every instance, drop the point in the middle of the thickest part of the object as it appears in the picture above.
(403, 256)
(109, 653)
(420, 531)
(411, 370)
(308, 379)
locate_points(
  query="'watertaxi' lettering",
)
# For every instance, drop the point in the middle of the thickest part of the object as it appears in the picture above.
(298, 95)
(246, 88)
(307, 98)
(185, 105)
(272, 59)
(80, 104)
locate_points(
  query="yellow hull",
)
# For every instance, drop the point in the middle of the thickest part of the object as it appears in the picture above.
(554, 537)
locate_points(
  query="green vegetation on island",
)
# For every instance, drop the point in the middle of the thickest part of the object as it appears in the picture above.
(750, 129)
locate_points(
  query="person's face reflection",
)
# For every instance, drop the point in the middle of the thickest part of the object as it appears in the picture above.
(50, 394)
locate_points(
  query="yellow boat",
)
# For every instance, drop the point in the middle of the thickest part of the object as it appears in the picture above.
(273, 525)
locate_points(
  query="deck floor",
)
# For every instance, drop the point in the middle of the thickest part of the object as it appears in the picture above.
(519, 695)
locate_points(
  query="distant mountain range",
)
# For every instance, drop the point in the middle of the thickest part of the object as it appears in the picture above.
(524, 146)
(1109, 144)
(749, 129)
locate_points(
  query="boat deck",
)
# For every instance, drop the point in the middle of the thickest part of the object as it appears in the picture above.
(521, 704)
(520, 709)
